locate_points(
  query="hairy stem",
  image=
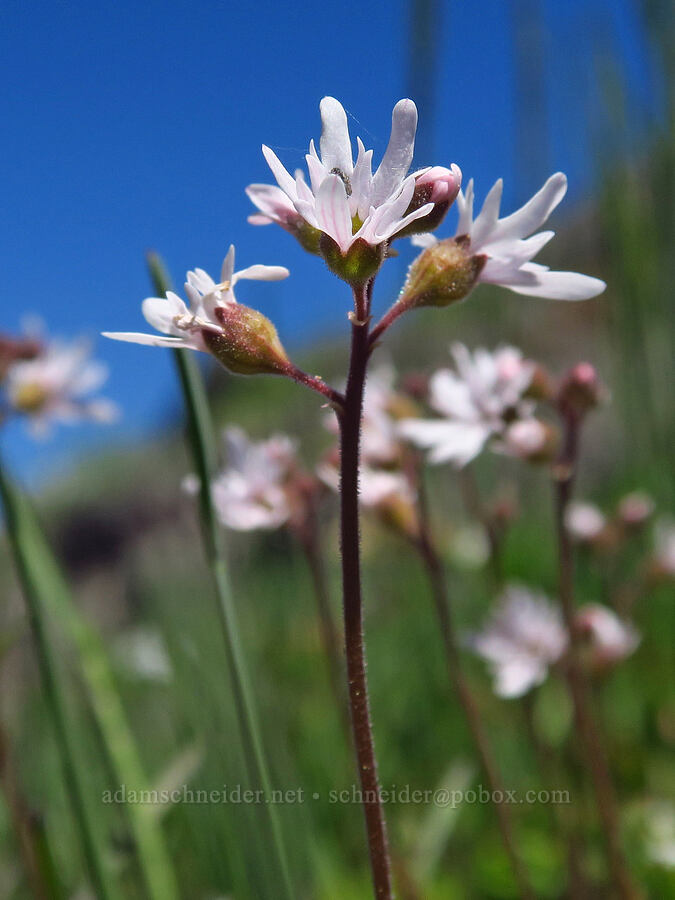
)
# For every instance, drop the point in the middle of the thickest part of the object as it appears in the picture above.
(591, 740)
(350, 427)
(434, 568)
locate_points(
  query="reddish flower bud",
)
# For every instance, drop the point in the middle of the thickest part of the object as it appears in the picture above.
(249, 343)
(439, 186)
(580, 390)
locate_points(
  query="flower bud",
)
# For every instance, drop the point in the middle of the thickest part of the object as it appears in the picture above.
(358, 264)
(249, 343)
(635, 509)
(439, 186)
(441, 275)
(580, 390)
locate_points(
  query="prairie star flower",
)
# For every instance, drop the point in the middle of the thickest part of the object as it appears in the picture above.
(251, 492)
(476, 403)
(53, 386)
(508, 245)
(343, 199)
(187, 326)
(523, 638)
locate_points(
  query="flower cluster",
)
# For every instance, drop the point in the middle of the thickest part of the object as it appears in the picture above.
(483, 398)
(525, 636)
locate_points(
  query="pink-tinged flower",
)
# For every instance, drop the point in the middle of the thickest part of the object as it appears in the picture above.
(611, 640)
(251, 493)
(188, 326)
(584, 521)
(475, 403)
(509, 245)
(344, 199)
(524, 636)
(635, 509)
(55, 386)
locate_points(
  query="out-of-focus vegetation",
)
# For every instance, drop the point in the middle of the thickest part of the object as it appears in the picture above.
(129, 542)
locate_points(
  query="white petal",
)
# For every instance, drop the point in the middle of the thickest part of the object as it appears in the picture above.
(151, 340)
(285, 181)
(227, 270)
(161, 311)
(88, 378)
(465, 206)
(270, 200)
(423, 240)
(332, 211)
(336, 148)
(317, 170)
(558, 285)
(486, 221)
(456, 441)
(451, 396)
(262, 273)
(201, 281)
(398, 156)
(361, 181)
(536, 211)
(516, 677)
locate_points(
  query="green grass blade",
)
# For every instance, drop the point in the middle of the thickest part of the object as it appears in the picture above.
(56, 601)
(40, 580)
(202, 446)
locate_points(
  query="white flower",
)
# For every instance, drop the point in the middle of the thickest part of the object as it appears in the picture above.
(473, 403)
(251, 492)
(509, 244)
(524, 637)
(584, 521)
(343, 199)
(54, 386)
(183, 326)
(611, 639)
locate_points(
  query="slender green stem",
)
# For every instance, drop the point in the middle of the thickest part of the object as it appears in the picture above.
(55, 694)
(22, 821)
(202, 446)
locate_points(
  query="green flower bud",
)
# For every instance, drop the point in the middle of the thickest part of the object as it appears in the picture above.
(442, 274)
(249, 343)
(358, 264)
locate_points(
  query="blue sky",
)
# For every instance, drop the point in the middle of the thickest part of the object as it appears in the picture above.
(130, 126)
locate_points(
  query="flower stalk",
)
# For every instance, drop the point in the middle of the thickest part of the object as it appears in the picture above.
(591, 739)
(434, 569)
(350, 427)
